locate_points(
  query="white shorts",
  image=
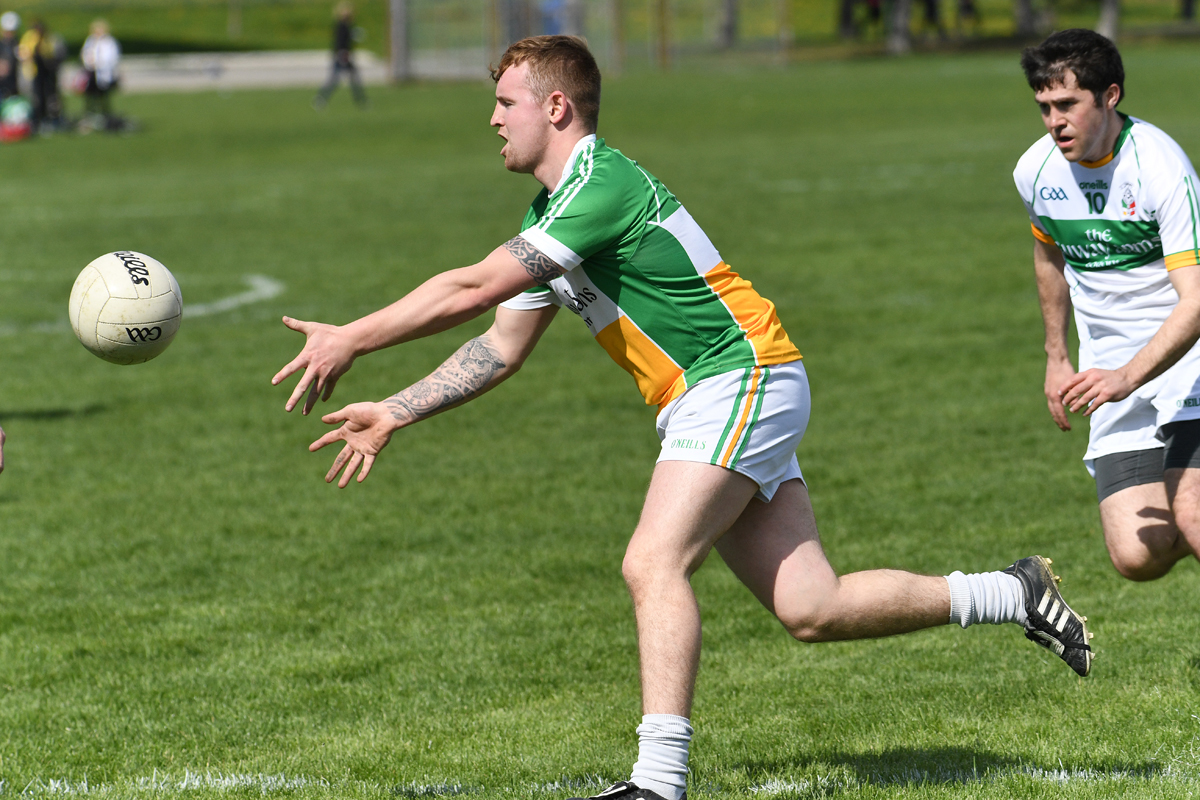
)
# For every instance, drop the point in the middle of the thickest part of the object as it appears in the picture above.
(1132, 423)
(750, 421)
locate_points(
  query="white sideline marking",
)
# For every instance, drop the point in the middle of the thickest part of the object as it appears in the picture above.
(261, 288)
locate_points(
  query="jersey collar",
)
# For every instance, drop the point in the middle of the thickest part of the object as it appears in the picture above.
(1121, 137)
(570, 165)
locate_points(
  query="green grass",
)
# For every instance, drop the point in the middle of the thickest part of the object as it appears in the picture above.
(184, 605)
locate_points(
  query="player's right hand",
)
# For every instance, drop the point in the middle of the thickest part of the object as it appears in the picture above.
(1057, 374)
(327, 356)
(366, 429)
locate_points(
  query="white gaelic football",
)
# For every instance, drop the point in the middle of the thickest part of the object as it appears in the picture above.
(125, 307)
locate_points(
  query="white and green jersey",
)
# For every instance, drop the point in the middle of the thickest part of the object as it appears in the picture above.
(645, 278)
(1122, 224)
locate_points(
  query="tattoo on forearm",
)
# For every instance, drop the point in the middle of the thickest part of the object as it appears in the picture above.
(464, 374)
(540, 266)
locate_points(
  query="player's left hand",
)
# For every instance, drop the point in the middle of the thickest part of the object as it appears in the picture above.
(327, 356)
(1086, 391)
(366, 429)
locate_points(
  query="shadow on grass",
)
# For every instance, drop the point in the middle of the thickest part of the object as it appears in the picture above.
(43, 414)
(906, 766)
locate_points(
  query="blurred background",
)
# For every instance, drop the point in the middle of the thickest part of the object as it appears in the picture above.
(457, 38)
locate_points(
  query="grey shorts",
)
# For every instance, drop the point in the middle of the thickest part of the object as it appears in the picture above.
(1180, 450)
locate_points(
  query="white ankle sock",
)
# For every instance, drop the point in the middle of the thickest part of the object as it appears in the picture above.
(991, 597)
(661, 767)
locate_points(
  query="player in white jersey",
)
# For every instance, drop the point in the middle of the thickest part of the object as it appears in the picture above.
(1116, 223)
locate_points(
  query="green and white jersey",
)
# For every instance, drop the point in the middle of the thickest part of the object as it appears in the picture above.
(645, 278)
(1122, 223)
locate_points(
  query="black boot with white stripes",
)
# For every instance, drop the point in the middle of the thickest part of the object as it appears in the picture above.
(1049, 621)
(624, 790)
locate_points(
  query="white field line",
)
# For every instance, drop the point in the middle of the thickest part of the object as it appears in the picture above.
(165, 784)
(261, 288)
(825, 784)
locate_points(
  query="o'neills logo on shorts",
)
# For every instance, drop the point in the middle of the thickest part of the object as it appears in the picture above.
(697, 444)
(1190, 402)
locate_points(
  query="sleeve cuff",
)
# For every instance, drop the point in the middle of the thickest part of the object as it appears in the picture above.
(1041, 235)
(564, 256)
(532, 300)
(1188, 258)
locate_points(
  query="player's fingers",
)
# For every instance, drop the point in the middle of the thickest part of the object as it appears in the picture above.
(334, 417)
(355, 460)
(1059, 415)
(301, 388)
(297, 324)
(368, 462)
(329, 384)
(338, 463)
(289, 369)
(1085, 399)
(311, 400)
(1070, 384)
(328, 439)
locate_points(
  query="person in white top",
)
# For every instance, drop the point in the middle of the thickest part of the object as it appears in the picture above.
(101, 56)
(1113, 205)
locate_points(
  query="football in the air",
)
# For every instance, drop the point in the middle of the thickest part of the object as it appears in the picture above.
(125, 307)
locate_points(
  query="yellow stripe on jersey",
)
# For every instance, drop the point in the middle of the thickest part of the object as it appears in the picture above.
(1188, 258)
(1041, 235)
(755, 315)
(1100, 163)
(638, 355)
(737, 434)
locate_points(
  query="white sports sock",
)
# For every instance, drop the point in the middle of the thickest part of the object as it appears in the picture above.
(661, 767)
(991, 597)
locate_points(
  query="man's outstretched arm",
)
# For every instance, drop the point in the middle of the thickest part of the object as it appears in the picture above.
(1088, 390)
(479, 365)
(442, 302)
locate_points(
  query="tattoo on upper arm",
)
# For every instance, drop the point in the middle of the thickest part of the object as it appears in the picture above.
(463, 375)
(540, 266)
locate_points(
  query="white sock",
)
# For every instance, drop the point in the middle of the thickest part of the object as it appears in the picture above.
(661, 767)
(991, 597)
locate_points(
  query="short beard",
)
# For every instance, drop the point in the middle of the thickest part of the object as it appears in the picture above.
(526, 160)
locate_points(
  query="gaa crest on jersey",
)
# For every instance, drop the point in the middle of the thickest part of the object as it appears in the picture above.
(1128, 200)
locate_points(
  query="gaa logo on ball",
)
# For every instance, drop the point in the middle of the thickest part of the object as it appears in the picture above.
(125, 307)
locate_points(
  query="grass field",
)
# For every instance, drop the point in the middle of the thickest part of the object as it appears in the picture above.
(186, 610)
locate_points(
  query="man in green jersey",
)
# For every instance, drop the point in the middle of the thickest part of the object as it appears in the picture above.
(607, 240)
(1112, 202)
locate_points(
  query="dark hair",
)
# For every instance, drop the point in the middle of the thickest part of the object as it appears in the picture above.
(1091, 57)
(558, 63)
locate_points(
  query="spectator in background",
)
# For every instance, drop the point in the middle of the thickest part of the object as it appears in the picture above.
(9, 60)
(1188, 9)
(101, 55)
(933, 18)
(967, 22)
(42, 52)
(343, 58)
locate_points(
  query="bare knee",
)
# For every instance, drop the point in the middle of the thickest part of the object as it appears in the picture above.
(807, 620)
(647, 567)
(1187, 518)
(1140, 565)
